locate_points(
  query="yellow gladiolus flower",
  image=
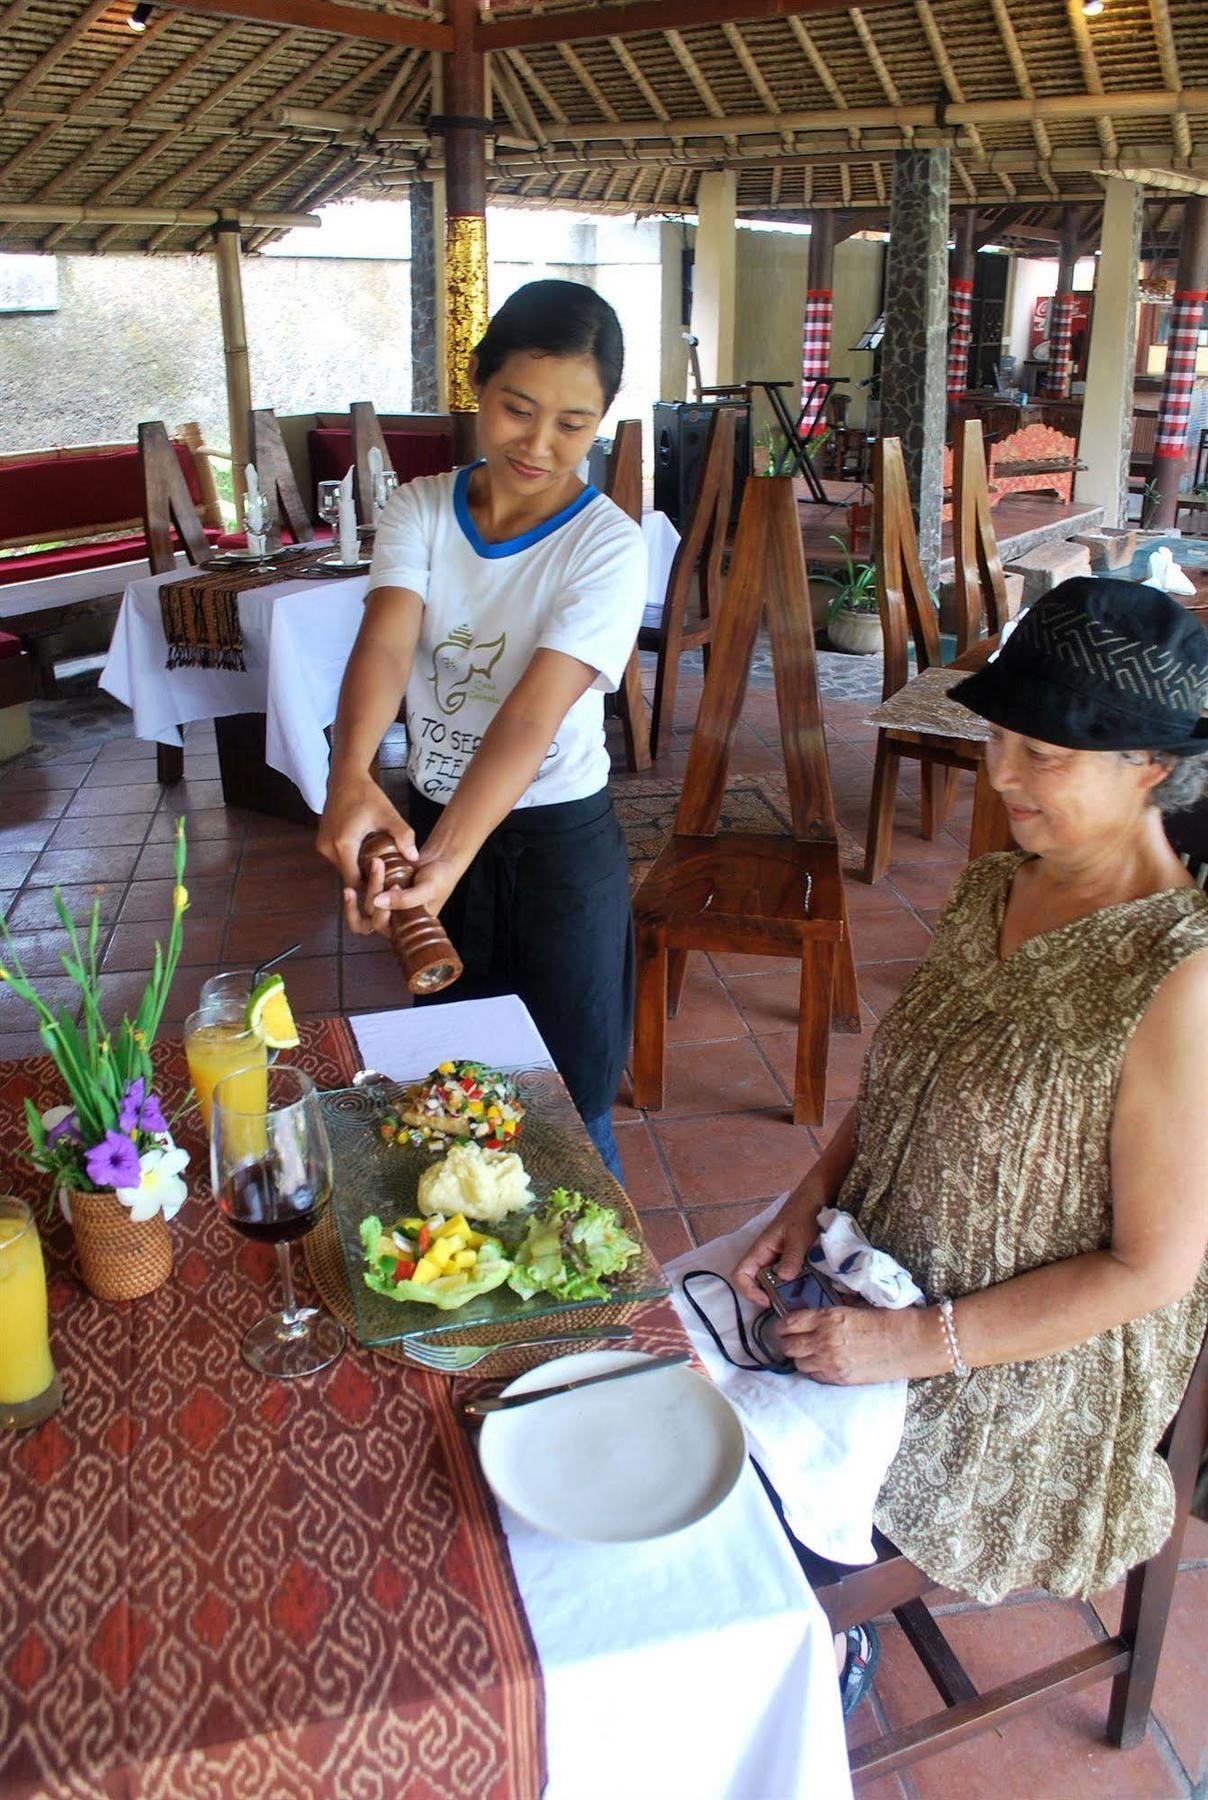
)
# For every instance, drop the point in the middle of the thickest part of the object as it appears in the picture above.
(180, 898)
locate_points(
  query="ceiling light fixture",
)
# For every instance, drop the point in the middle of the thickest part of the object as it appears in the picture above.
(137, 20)
(1092, 8)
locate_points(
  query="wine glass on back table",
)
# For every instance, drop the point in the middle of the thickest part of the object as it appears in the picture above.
(272, 1176)
(328, 496)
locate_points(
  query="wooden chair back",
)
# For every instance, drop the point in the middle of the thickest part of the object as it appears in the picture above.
(266, 447)
(981, 585)
(367, 435)
(166, 501)
(623, 486)
(1144, 437)
(902, 594)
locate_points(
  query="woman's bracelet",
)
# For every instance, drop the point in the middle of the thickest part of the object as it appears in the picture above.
(959, 1365)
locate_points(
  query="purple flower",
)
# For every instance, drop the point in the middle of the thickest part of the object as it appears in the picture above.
(132, 1102)
(113, 1162)
(68, 1126)
(153, 1115)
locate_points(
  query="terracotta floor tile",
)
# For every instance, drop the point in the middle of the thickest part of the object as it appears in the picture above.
(83, 831)
(94, 863)
(34, 910)
(15, 865)
(716, 1079)
(1057, 1750)
(1178, 1699)
(26, 806)
(151, 901)
(844, 1060)
(40, 952)
(210, 857)
(193, 794)
(7, 896)
(15, 1044)
(889, 937)
(55, 990)
(865, 901)
(646, 1181)
(709, 1222)
(833, 1116)
(42, 777)
(1195, 1542)
(270, 893)
(371, 983)
(253, 937)
(624, 1112)
(733, 1159)
(666, 1232)
(864, 1725)
(98, 803)
(26, 838)
(131, 945)
(314, 984)
(881, 983)
(706, 1010)
(202, 825)
(767, 1002)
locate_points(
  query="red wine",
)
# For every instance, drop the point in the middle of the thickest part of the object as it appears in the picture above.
(254, 1205)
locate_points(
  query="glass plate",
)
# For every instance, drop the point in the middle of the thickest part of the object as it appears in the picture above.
(372, 1176)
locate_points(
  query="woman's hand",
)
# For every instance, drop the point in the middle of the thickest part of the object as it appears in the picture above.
(435, 878)
(356, 806)
(784, 1242)
(851, 1346)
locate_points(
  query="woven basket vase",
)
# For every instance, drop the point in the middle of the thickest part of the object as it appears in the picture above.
(120, 1259)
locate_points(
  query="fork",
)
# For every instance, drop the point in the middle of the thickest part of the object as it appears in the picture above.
(454, 1359)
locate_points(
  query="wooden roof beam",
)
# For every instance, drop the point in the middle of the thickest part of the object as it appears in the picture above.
(327, 16)
(948, 74)
(750, 67)
(527, 73)
(643, 15)
(1159, 12)
(625, 57)
(587, 82)
(33, 214)
(821, 69)
(1019, 68)
(691, 69)
(1080, 31)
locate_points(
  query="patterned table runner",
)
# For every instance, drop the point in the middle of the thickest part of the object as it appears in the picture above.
(216, 1583)
(201, 613)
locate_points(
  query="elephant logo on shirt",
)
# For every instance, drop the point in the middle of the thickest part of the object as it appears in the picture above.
(458, 663)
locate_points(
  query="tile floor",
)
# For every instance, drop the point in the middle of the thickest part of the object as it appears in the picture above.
(83, 809)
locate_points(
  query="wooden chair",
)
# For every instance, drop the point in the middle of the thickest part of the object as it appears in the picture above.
(982, 602)
(697, 568)
(623, 485)
(167, 502)
(266, 448)
(894, 1584)
(732, 890)
(907, 612)
(367, 435)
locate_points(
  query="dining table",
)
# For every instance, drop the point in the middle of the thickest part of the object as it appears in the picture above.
(298, 634)
(217, 1583)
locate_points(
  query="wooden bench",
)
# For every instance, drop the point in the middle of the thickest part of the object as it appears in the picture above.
(16, 691)
(71, 537)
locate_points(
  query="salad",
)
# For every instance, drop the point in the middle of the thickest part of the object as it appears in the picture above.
(570, 1248)
(458, 1100)
(441, 1262)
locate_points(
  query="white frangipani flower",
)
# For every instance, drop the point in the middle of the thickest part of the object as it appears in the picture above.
(160, 1187)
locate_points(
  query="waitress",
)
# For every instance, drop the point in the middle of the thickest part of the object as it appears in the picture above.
(504, 601)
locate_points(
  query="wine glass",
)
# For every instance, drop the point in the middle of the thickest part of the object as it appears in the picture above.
(271, 1172)
(384, 487)
(329, 502)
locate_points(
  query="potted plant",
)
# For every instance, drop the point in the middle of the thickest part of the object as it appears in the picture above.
(109, 1151)
(853, 618)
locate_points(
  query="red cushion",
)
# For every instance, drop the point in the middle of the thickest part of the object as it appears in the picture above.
(52, 492)
(29, 565)
(9, 645)
(412, 453)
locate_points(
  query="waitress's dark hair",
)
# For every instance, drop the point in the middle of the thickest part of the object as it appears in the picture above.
(556, 318)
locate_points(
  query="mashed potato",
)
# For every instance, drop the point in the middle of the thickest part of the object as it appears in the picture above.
(483, 1184)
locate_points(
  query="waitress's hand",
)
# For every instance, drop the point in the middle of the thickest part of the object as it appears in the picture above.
(435, 878)
(783, 1243)
(853, 1345)
(356, 806)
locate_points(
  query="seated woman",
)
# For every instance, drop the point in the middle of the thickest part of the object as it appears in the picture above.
(1030, 1137)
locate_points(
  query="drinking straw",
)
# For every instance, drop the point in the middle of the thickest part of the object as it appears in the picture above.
(260, 968)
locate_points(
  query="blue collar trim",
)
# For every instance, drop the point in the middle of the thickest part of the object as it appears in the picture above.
(510, 546)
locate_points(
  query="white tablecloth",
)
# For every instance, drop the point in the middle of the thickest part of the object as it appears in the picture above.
(700, 1664)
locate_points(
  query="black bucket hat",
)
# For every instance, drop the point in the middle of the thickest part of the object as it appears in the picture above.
(1099, 665)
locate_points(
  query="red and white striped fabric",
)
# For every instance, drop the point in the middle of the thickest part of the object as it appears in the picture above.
(1186, 323)
(815, 349)
(1061, 333)
(960, 335)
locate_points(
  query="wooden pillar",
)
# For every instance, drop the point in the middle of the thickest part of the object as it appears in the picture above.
(914, 361)
(464, 127)
(1106, 438)
(960, 302)
(1186, 323)
(228, 257)
(1061, 317)
(714, 275)
(819, 307)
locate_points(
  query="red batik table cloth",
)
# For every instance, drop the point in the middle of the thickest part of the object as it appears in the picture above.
(217, 1584)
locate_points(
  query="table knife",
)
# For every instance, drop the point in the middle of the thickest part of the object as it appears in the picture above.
(477, 1409)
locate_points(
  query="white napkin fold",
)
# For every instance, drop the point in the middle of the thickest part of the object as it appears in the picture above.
(844, 1253)
(349, 545)
(824, 1449)
(256, 506)
(1165, 573)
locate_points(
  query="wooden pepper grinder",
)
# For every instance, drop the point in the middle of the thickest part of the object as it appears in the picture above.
(427, 958)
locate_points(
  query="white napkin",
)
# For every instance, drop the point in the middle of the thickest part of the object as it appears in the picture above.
(349, 545)
(845, 1254)
(376, 467)
(824, 1449)
(1165, 573)
(256, 507)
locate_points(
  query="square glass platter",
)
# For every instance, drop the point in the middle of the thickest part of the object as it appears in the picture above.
(373, 1176)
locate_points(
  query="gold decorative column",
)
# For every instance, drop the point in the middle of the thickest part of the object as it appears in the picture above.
(466, 290)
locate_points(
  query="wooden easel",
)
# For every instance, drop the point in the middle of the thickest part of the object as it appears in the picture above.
(728, 890)
(623, 486)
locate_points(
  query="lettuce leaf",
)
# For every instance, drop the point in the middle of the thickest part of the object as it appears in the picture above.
(492, 1271)
(572, 1244)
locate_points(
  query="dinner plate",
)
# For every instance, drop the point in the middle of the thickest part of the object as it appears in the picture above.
(335, 562)
(618, 1463)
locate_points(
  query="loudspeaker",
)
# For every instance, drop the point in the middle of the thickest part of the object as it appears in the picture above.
(680, 430)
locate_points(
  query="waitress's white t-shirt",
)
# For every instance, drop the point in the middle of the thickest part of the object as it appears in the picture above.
(575, 584)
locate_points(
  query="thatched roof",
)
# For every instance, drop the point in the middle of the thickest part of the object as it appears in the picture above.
(268, 108)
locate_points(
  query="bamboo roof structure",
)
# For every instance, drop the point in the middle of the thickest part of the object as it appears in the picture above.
(264, 110)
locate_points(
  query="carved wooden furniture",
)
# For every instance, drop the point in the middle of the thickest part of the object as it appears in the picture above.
(1130, 1657)
(697, 568)
(267, 449)
(982, 603)
(727, 890)
(623, 485)
(907, 612)
(167, 502)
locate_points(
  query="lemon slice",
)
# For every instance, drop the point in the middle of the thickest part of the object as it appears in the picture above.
(269, 1016)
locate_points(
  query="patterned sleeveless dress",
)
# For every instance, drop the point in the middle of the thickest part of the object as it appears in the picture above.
(982, 1151)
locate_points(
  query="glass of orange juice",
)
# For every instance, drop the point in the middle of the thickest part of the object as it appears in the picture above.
(30, 1388)
(218, 1044)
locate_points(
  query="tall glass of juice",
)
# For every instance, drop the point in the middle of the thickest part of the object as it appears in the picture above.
(29, 1383)
(218, 1044)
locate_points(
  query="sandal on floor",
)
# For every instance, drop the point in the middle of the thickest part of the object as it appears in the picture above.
(860, 1666)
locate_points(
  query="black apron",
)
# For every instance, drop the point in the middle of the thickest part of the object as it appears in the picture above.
(543, 911)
